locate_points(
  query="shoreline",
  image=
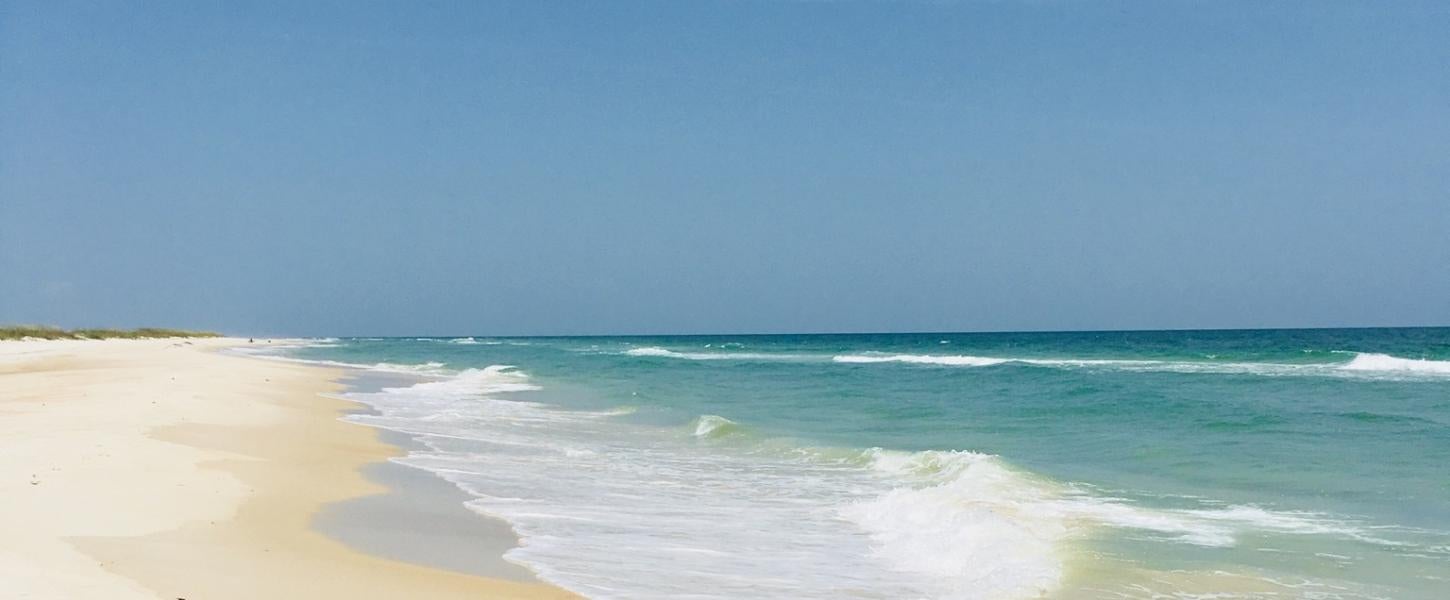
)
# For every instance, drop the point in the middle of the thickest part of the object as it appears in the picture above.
(442, 532)
(164, 468)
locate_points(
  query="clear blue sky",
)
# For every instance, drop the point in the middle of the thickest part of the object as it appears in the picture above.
(611, 167)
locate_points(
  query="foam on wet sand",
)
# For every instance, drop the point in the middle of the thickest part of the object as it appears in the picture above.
(162, 468)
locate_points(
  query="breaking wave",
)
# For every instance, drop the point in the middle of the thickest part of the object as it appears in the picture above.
(1363, 364)
(761, 518)
(714, 426)
(971, 519)
(655, 351)
(1367, 361)
(920, 359)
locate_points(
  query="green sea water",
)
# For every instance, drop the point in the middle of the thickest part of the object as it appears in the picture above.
(1209, 464)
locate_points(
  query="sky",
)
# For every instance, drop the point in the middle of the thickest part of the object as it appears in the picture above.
(555, 168)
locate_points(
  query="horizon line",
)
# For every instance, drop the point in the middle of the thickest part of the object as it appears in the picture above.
(846, 333)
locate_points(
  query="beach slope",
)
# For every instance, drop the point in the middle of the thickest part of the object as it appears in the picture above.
(163, 468)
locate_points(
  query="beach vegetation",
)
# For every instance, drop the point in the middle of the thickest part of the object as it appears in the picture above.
(47, 332)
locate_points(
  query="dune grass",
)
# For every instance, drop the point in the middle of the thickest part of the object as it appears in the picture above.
(45, 332)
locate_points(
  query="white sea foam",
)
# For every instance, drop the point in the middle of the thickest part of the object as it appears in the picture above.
(960, 360)
(970, 518)
(1364, 365)
(582, 488)
(1367, 361)
(743, 519)
(965, 519)
(655, 351)
(920, 359)
(471, 382)
(432, 368)
(711, 426)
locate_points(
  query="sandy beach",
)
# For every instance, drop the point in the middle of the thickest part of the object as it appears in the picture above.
(170, 469)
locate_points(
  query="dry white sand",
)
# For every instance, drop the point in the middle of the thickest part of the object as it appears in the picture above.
(160, 468)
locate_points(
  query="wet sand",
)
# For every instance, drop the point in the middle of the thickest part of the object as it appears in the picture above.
(163, 468)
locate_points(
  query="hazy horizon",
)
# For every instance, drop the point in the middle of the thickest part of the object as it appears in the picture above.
(707, 334)
(636, 168)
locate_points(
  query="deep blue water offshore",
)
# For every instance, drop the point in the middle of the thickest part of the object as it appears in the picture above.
(1183, 464)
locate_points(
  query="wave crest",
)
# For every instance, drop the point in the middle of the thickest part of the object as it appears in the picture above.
(473, 382)
(715, 426)
(921, 359)
(1363, 364)
(971, 518)
(656, 351)
(1369, 361)
(964, 517)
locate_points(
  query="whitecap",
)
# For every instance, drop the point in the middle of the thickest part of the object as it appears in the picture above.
(1369, 361)
(655, 351)
(920, 359)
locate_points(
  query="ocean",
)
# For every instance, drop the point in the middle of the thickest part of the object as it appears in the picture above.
(1173, 464)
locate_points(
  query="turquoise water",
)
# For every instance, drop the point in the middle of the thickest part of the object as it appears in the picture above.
(1261, 464)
